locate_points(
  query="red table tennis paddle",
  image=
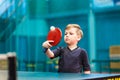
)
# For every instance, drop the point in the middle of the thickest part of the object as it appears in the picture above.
(54, 34)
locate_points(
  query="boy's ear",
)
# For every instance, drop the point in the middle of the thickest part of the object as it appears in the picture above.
(79, 38)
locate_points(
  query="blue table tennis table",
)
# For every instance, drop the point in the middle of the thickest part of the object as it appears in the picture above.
(65, 76)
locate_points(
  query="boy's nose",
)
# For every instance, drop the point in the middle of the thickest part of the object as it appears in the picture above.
(67, 35)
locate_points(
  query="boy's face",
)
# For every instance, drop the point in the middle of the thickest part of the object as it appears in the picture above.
(71, 37)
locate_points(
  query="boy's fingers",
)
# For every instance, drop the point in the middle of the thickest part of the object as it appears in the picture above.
(50, 41)
(49, 45)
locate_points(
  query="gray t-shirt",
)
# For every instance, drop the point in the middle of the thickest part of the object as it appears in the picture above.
(72, 61)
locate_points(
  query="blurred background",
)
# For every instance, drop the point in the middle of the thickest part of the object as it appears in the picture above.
(24, 25)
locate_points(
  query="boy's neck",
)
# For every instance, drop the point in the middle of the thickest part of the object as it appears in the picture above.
(72, 47)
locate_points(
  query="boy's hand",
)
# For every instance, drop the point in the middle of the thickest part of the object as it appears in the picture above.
(47, 44)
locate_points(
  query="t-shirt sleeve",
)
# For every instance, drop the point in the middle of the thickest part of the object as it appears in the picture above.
(85, 61)
(57, 52)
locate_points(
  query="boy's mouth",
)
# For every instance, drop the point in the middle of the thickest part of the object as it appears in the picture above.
(67, 39)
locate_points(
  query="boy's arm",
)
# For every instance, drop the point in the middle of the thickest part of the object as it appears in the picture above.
(49, 53)
(86, 65)
(47, 47)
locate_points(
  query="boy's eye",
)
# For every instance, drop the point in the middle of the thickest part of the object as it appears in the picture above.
(71, 33)
(65, 33)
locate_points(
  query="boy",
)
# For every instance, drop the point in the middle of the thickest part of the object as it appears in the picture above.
(72, 59)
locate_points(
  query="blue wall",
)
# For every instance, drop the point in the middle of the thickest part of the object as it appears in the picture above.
(107, 30)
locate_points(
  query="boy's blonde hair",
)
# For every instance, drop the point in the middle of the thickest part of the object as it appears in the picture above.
(79, 30)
